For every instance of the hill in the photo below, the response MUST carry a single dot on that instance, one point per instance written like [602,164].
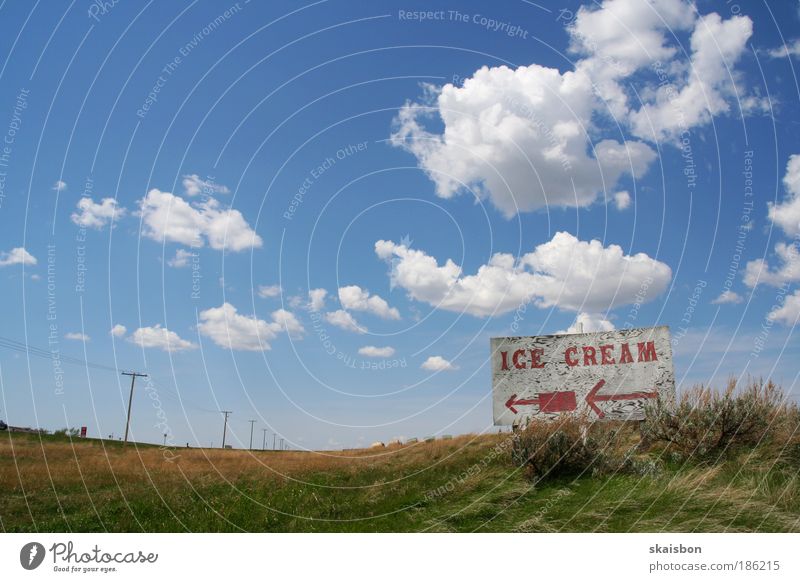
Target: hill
[465,484]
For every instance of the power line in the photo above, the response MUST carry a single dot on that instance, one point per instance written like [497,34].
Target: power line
[18,346]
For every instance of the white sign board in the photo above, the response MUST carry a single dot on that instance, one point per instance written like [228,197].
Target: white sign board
[607,375]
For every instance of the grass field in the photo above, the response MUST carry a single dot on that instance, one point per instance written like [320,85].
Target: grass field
[49,484]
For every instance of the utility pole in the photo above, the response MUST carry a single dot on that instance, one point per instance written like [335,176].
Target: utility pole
[264,442]
[281,444]
[274,436]
[133,376]
[252,423]
[225,426]
[165,439]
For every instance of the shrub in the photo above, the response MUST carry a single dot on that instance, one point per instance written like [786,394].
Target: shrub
[571,446]
[705,424]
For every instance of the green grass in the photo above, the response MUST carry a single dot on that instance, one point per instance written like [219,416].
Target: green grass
[466,484]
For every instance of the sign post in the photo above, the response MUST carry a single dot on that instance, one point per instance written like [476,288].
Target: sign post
[607,375]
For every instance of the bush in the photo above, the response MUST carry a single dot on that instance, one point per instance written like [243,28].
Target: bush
[706,424]
[571,446]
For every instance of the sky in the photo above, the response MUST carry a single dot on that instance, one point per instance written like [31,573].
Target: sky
[316,215]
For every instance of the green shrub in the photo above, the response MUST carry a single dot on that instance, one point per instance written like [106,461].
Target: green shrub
[706,425]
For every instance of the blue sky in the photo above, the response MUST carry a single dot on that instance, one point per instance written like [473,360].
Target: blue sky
[193,176]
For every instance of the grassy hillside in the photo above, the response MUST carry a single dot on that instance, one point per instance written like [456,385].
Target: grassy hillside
[465,484]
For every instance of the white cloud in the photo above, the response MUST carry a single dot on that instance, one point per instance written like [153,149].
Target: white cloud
[564,272]
[229,329]
[167,217]
[532,136]
[376,352]
[789,312]
[161,338]
[316,299]
[622,200]
[588,323]
[438,364]
[355,298]
[787,50]
[194,185]
[758,272]
[60,186]
[342,319]
[97,215]
[74,335]
[118,330]
[181,258]
[17,256]
[268,291]
[728,297]
[787,213]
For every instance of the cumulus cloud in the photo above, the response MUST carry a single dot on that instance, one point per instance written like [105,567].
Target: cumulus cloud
[181,258]
[118,330]
[588,323]
[77,336]
[268,291]
[194,185]
[344,320]
[622,200]
[229,329]
[17,256]
[438,364]
[97,215]
[759,272]
[791,49]
[161,338]
[316,299]
[789,312]
[167,217]
[787,213]
[60,186]
[376,352]
[564,272]
[728,297]
[533,136]
[355,298]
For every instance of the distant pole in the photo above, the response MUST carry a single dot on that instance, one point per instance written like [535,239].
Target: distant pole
[264,442]
[165,439]
[281,444]
[274,436]
[225,425]
[252,423]
[133,376]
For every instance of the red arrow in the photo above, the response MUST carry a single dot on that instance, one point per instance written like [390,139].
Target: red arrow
[593,397]
[563,401]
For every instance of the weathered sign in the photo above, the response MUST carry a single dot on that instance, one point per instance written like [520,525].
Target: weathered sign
[608,375]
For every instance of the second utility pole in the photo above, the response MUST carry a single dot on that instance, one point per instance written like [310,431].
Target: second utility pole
[133,376]
[252,422]
[225,426]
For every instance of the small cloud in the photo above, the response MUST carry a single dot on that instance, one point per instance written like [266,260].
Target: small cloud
[728,297]
[77,336]
[791,49]
[17,256]
[181,258]
[161,338]
[96,215]
[194,185]
[35,277]
[587,323]
[119,330]
[438,364]
[342,319]
[316,299]
[355,298]
[269,291]
[375,352]
[60,186]
[622,200]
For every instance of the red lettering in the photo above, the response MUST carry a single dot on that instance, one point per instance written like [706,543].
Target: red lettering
[589,356]
[647,351]
[568,359]
[504,357]
[515,359]
[626,357]
[605,355]
[536,356]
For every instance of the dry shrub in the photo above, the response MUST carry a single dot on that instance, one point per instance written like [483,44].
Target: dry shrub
[573,446]
[706,424]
